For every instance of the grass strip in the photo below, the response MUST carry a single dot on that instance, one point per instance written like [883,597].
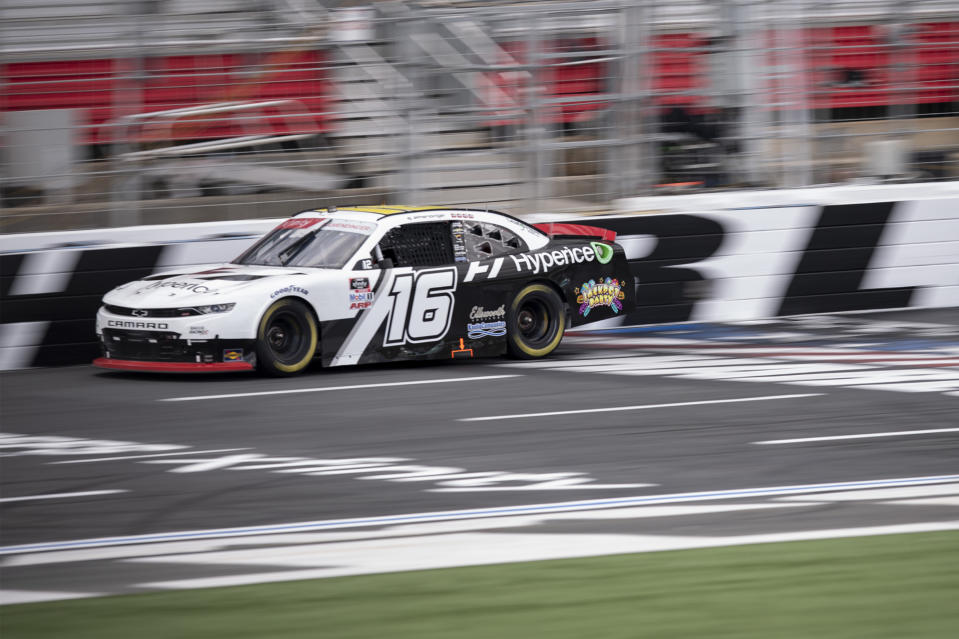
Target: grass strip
[892,586]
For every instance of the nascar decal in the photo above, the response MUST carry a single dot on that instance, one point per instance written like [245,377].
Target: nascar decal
[605,292]
[486,323]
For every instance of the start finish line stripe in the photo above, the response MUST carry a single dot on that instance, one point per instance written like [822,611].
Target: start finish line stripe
[500,511]
[638,407]
[291,391]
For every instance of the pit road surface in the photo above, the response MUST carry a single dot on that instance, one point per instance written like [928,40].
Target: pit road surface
[650,439]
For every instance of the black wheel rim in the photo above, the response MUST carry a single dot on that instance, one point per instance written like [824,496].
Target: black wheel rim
[286,336]
[536,322]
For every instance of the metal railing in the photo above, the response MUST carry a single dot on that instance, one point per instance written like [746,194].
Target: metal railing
[170,111]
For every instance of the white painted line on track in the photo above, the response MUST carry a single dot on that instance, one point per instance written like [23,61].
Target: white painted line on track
[827,438]
[85,493]
[11,597]
[176,454]
[291,391]
[611,409]
[454,551]
[499,511]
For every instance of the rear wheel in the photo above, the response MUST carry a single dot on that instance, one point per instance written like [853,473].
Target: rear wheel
[286,338]
[535,322]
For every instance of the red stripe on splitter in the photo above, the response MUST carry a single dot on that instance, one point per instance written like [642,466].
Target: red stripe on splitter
[171,367]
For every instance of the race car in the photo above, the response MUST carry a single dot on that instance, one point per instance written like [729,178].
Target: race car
[366,284]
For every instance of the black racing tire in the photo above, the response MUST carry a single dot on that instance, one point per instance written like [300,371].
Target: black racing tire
[535,322]
[286,338]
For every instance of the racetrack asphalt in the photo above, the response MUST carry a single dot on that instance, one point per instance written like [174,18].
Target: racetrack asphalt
[387,442]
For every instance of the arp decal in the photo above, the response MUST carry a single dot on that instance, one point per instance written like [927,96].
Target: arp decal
[606,292]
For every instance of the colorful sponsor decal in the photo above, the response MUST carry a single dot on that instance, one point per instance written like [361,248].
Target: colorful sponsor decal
[604,252]
[289,290]
[300,223]
[193,287]
[361,295]
[605,292]
[486,329]
[232,354]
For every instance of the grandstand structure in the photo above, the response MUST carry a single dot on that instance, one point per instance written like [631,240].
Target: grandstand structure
[119,112]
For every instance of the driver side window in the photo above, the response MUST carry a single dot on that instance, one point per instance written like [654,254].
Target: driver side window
[419,244]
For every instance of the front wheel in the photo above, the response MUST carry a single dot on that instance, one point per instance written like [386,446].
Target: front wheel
[535,322]
[286,338]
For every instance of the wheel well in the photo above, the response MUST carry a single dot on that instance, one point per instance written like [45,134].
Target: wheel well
[316,318]
[553,285]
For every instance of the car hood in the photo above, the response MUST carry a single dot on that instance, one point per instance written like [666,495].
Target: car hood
[211,285]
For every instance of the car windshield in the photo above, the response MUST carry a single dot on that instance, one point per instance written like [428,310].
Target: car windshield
[314,241]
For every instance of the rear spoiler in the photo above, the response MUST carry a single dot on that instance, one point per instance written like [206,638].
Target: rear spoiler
[562,229]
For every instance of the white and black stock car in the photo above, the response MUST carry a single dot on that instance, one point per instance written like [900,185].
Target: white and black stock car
[371,284]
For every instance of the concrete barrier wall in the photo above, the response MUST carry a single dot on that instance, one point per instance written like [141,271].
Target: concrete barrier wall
[689,266]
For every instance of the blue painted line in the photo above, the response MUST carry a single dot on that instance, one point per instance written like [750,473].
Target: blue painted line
[469,514]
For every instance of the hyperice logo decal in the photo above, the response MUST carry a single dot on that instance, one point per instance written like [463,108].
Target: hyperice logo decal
[605,292]
[604,252]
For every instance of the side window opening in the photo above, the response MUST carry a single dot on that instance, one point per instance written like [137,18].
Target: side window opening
[420,244]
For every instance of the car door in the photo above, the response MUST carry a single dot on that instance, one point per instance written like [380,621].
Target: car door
[407,301]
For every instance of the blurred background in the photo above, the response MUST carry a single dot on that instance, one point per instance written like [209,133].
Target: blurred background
[124,112]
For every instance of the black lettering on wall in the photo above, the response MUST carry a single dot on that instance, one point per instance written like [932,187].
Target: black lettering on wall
[829,276]
[665,290]
[70,337]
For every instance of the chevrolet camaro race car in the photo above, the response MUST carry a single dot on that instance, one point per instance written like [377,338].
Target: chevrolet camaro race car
[370,284]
